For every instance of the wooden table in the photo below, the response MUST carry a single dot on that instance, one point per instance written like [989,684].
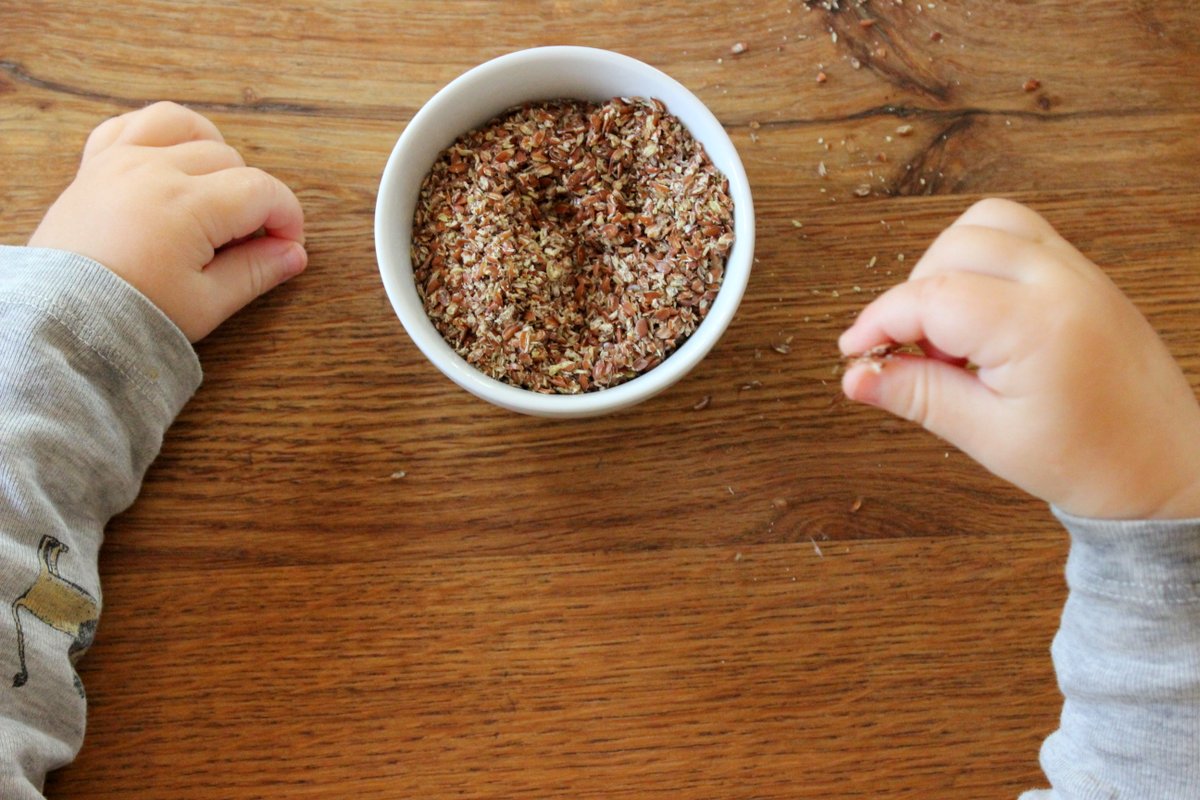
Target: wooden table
[346,577]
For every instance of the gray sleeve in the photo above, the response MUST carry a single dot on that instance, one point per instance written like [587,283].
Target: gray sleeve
[1128,663]
[91,375]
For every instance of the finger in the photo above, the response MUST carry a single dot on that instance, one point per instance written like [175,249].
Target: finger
[237,202]
[963,314]
[164,124]
[987,251]
[946,400]
[203,157]
[238,275]
[103,136]
[933,351]
[1022,221]
[1011,217]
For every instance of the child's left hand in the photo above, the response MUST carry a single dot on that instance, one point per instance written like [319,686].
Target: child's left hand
[162,201]
[1036,365]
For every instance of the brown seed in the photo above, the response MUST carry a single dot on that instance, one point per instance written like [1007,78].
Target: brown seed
[779,503]
[1032,85]
[935,36]
[738,48]
[866,23]
[514,288]
[822,77]
[856,505]
[876,357]
[904,130]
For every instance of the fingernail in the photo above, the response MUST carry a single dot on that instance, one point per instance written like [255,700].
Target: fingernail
[861,383]
[844,339]
[294,261]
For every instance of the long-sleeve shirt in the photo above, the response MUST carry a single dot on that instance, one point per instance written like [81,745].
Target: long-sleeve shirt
[1128,662]
[92,374]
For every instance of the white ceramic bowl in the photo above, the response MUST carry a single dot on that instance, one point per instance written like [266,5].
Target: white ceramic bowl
[548,73]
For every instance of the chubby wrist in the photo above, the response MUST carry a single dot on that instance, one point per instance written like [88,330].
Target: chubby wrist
[1146,471]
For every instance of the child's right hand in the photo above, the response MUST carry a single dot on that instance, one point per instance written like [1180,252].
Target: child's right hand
[1075,399]
[162,201]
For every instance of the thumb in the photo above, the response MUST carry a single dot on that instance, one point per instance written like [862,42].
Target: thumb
[239,274]
[944,398]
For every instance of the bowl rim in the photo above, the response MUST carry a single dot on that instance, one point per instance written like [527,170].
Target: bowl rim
[396,269]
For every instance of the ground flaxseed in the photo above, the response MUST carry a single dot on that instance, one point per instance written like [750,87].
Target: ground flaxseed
[568,246]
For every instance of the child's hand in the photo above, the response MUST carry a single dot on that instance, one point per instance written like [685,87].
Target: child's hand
[1075,399]
[162,201]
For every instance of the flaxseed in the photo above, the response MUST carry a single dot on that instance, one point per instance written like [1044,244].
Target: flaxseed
[568,247]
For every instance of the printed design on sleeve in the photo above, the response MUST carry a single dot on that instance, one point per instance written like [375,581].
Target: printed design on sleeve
[61,604]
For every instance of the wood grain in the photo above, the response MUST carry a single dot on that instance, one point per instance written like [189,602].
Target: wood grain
[781,595]
[769,671]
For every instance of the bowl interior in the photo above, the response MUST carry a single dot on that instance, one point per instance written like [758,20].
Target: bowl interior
[490,89]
